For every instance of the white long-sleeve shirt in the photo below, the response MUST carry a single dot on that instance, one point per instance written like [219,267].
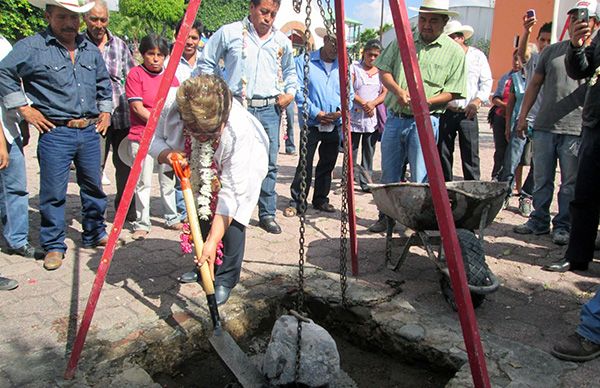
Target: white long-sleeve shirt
[479,79]
[241,157]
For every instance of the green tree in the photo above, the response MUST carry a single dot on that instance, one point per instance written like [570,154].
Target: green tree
[19,19]
[215,13]
[159,16]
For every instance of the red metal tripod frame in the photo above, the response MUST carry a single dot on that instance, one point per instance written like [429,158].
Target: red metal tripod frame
[439,195]
[342,56]
[188,19]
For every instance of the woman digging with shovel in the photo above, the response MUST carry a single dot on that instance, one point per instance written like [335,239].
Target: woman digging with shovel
[226,149]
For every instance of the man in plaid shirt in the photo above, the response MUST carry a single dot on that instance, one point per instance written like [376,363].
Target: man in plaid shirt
[119,62]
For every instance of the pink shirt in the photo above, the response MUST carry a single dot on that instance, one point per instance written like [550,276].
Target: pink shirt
[142,85]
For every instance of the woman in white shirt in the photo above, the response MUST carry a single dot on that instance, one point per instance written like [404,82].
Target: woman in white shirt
[204,111]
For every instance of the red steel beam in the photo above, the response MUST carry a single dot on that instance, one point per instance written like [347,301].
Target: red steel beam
[342,55]
[439,195]
[105,261]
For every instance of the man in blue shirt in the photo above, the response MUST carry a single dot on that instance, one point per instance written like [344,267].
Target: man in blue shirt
[66,79]
[259,70]
[324,122]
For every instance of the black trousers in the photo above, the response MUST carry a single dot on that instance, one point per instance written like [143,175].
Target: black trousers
[327,142]
[585,207]
[500,144]
[368,142]
[451,125]
[234,245]
[112,140]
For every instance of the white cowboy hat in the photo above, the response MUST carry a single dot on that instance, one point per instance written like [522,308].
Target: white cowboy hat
[322,31]
[77,6]
[441,7]
[454,26]
[124,152]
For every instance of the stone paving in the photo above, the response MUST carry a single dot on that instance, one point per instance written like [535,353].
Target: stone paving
[39,319]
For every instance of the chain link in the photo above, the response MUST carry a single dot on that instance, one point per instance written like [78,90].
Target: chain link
[345,191]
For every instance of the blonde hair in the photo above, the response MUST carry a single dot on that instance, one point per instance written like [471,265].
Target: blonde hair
[204,103]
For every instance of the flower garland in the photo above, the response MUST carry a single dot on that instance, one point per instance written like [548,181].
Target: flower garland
[205,182]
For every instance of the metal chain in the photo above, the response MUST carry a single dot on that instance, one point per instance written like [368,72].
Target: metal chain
[303,184]
[329,22]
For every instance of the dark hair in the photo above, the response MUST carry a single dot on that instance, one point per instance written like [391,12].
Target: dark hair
[197,25]
[546,27]
[256,3]
[153,41]
[373,44]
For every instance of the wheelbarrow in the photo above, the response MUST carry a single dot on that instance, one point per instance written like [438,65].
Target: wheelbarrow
[474,206]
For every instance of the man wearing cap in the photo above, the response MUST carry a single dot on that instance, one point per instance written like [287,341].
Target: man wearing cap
[583,62]
[442,64]
[556,137]
[66,79]
[460,116]
[119,62]
[254,54]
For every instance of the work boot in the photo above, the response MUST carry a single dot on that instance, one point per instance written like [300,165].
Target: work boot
[53,260]
[576,348]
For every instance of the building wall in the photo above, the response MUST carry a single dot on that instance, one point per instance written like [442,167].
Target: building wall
[508,22]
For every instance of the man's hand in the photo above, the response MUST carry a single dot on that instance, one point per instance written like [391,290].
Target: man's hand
[4,158]
[325,118]
[472,108]
[36,118]
[165,157]
[103,123]
[403,97]
[284,99]
[579,31]
[521,127]
[209,254]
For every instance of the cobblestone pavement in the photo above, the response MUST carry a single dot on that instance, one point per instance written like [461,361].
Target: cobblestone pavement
[39,318]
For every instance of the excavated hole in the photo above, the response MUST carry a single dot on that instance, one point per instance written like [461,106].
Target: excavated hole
[368,355]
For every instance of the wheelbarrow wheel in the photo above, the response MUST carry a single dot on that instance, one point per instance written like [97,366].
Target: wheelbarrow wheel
[476,269]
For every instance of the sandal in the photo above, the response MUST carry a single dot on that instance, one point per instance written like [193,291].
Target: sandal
[290,211]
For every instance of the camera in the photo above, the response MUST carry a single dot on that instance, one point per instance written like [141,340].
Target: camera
[530,13]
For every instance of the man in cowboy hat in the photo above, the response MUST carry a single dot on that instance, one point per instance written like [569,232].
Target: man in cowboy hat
[442,64]
[66,79]
[460,116]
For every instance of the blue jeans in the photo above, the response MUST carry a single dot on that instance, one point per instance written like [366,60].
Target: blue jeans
[290,147]
[400,143]
[269,117]
[547,149]
[56,150]
[512,159]
[14,198]
[589,326]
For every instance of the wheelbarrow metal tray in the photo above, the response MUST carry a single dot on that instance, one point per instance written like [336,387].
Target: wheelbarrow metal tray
[411,204]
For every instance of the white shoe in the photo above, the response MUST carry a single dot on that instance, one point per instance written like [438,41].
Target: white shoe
[105,180]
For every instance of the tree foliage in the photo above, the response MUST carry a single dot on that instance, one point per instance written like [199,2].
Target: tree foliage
[165,11]
[19,19]
[215,13]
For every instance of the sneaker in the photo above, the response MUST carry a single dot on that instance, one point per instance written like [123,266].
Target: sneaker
[525,206]
[7,284]
[527,229]
[576,348]
[379,226]
[560,237]
[105,180]
[27,251]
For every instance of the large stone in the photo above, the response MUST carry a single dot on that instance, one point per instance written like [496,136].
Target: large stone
[319,361]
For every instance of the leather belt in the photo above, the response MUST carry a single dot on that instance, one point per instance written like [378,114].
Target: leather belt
[76,123]
[261,102]
[455,109]
[411,117]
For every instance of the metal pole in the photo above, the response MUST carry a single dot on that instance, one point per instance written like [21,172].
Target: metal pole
[343,69]
[381,22]
[190,15]
[439,195]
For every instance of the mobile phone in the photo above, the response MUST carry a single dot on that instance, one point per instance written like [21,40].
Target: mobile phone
[530,13]
[582,14]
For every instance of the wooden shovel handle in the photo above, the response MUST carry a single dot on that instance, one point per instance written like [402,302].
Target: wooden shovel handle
[183,173]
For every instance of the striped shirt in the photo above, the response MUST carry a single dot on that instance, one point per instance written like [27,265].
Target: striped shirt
[442,64]
[119,62]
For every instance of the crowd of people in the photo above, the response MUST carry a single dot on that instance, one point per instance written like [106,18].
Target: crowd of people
[230,102]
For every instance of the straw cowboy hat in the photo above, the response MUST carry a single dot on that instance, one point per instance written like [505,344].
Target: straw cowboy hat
[78,6]
[454,26]
[441,7]
[322,31]
[124,152]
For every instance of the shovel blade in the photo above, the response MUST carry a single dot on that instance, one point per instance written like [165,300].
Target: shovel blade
[237,361]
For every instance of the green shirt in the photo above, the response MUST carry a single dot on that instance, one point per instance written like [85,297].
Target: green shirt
[442,64]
